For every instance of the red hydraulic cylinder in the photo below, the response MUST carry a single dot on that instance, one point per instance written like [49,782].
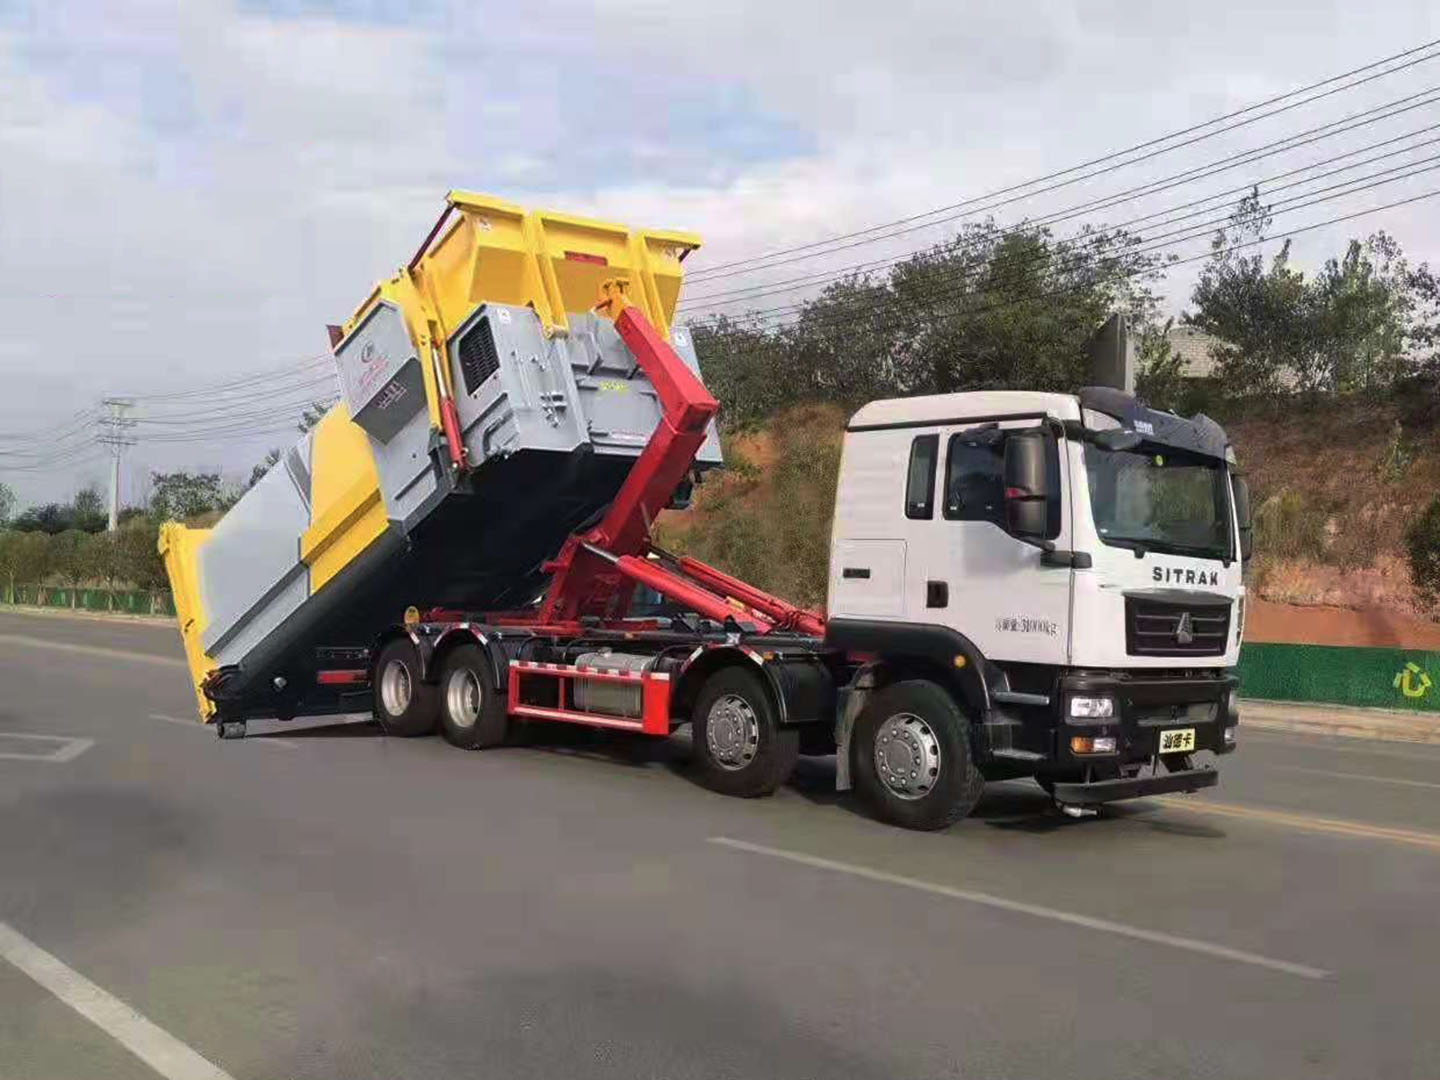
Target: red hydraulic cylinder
[692,596]
[785,615]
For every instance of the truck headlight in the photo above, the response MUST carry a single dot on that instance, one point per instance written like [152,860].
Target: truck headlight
[1092,708]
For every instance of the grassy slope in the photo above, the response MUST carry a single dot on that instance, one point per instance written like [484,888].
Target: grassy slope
[1335,489]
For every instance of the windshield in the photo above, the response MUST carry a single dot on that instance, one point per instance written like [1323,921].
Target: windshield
[1159,499]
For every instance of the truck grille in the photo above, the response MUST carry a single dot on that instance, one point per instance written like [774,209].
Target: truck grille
[1162,627]
[478,357]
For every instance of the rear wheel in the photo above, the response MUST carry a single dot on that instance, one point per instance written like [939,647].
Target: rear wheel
[472,710]
[740,747]
[403,702]
[912,759]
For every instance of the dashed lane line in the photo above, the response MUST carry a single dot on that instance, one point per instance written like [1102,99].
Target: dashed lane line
[1155,937]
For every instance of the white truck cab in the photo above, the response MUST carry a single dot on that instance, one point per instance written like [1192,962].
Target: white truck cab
[1067,566]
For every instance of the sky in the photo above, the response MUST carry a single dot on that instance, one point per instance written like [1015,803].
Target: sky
[190,191]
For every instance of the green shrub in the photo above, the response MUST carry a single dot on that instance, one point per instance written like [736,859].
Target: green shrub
[1423,543]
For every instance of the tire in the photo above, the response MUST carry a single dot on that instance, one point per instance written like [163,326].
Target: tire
[915,723]
[740,747]
[472,709]
[404,703]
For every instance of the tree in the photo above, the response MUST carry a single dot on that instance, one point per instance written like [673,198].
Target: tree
[68,559]
[258,472]
[1160,371]
[7,503]
[994,307]
[88,510]
[30,558]
[9,540]
[179,495]
[52,518]
[85,511]
[137,557]
[1362,303]
[312,414]
[1261,314]
[101,555]
[1347,331]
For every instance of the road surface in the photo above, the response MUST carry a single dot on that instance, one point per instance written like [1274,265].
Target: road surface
[326,902]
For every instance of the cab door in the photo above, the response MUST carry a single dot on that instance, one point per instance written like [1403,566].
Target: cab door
[966,571]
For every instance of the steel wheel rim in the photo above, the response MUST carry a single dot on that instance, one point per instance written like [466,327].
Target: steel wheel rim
[907,756]
[732,732]
[463,698]
[395,687]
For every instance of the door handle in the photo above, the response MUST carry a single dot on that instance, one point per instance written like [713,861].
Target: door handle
[937,594]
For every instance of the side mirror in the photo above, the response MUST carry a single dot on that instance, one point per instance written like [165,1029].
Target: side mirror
[1241,488]
[1027,486]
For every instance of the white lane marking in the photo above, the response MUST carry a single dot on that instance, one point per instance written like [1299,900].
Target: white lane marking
[1358,776]
[176,720]
[93,650]
[153,1045]
[1088,922]
[196,725]
[68,750]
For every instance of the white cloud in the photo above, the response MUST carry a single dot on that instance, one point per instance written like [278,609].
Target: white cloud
[190,192]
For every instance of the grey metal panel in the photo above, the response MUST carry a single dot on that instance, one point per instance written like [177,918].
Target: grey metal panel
[529,403]
[278,604]
[252,549]
[407,477]
[380,373]
[557,393]
[549,396]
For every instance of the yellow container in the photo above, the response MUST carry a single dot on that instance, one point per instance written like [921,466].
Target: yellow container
[483,251]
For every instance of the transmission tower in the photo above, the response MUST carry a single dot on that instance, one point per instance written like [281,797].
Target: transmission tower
[113,430]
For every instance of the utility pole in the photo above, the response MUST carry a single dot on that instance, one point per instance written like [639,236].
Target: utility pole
[112,434]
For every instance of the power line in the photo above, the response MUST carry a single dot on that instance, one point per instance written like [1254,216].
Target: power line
[1328,130]
[1104,202]
[710,273]
[940,293]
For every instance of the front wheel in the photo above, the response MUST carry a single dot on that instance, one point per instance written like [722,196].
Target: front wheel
[740,747]
[912,759]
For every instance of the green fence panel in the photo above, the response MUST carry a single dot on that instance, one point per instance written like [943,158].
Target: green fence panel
[131,601]
[1376,678]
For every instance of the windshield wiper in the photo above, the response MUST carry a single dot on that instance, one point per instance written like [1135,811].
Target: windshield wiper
[1167,547]
[1140,547]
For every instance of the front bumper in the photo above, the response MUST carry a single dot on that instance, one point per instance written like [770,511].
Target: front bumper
[1147,706]
[1105,791]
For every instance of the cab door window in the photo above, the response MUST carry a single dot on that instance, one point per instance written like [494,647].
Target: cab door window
[975,479]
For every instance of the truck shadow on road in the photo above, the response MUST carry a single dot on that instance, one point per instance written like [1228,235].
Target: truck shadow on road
[338,729]
[1012,806]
